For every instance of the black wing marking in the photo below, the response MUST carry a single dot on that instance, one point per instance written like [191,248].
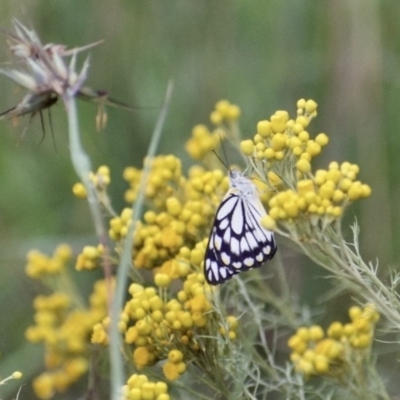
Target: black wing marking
[237,241]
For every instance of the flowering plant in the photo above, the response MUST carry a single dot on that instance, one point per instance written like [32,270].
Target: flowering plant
[177,335]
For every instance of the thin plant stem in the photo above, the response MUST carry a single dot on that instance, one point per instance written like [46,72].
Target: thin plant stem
[117,370]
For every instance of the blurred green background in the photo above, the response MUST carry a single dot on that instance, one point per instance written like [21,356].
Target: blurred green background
[261,55]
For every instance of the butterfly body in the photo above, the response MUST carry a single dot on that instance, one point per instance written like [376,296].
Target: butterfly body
[237,241]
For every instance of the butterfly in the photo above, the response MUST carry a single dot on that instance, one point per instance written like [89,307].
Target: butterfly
[237,241]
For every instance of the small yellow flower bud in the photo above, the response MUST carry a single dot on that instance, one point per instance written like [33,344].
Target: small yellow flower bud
[260,146]
[196,256]
[301,103]
[216,118]
[232,322]
[90,252]
[337,211]
[175,356]
[329,347]
[313,149]
[160,388]
[274,213]
[264,128]
[349,330]
[316,332]
[310,106]
[355,192]
[144,328]
[233,112]
[174,206]
[338,196]
[305,367]
[326,191]
[148,391]
[294,141]
[305,156]
[163,396]
[79,190]
[284,114]
[304,136]
[366,191]
[269,153]
[322,139]
[258,139]
[304,186]
[247,147]
[135,394]
[222,106]
[362,341]
[362,324]
[303,333]
[321,364]
[335,330]
[309,355]
[371,313]
[140,313]
[232,335]
[333,165]
[104,170]
[355,312]
[17,375]
[303,166]
[268,222]
[291,209]
[302,121]
[297,128]
[278,123]
[273,178]
[278,141]
[181,367]
[297,344]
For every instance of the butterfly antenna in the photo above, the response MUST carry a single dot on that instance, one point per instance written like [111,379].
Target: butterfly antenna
[223,150]
[221,160]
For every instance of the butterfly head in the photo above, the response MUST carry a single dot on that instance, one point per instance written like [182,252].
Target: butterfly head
[242,183]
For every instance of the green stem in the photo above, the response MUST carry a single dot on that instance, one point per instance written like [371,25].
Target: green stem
[81,163]
[117,370]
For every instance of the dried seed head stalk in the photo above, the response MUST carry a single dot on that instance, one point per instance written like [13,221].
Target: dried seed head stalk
[42,70]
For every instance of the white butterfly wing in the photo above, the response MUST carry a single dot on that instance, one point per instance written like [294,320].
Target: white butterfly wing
[237,241]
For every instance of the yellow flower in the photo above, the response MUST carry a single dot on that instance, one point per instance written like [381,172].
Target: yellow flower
[142,357]
[171,371]
[43,386]
[175,356]
[79,190]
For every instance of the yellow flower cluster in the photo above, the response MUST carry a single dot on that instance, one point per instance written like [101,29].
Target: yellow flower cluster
[101,179]
[224,112]
[315,352]
[165,174]
[230,327]
[285,148]
[162,327]
[63,327]
[161,323]
[202,142]
[40,265]
[181,215]
[281,137]
[324,194]
[140,388]
[174,367]
[90,258]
